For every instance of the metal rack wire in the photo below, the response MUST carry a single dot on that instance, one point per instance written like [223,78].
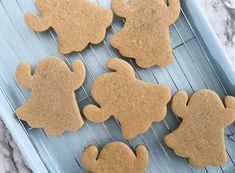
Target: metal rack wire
[153,135]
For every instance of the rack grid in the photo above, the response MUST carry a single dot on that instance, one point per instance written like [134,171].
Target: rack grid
[191,70]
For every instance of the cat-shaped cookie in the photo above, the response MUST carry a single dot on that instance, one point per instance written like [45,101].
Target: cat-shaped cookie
[76,22]
[52,104]
[145,35]
[134,103]
[200,136]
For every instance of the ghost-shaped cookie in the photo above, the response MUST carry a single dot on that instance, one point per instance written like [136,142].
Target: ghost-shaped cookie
[145,35]
[115,157]
[134,103]
[76,22]
[200,136]
[52,104]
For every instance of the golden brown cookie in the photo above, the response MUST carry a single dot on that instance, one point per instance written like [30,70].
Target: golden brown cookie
[52,104]
[76,22]
[115,157]
[200,136]
[134,103]
[145,35]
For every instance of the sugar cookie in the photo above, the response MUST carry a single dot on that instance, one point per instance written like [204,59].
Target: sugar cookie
[76,22]
[115,157]
[200,136]
[145,35]
[134,103]
[52,104]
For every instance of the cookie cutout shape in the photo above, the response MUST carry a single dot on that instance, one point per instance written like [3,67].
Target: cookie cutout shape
[76,22]
[200,136]
[145,35]
[115,157]
[52,104]
[134,103]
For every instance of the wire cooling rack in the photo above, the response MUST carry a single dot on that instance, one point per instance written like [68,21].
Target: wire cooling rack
[191,70]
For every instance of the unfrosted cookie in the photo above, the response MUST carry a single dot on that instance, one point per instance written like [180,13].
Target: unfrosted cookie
[134,103]
[115,157]
[145,35]
[200,136]
[52,104]
[76,22]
